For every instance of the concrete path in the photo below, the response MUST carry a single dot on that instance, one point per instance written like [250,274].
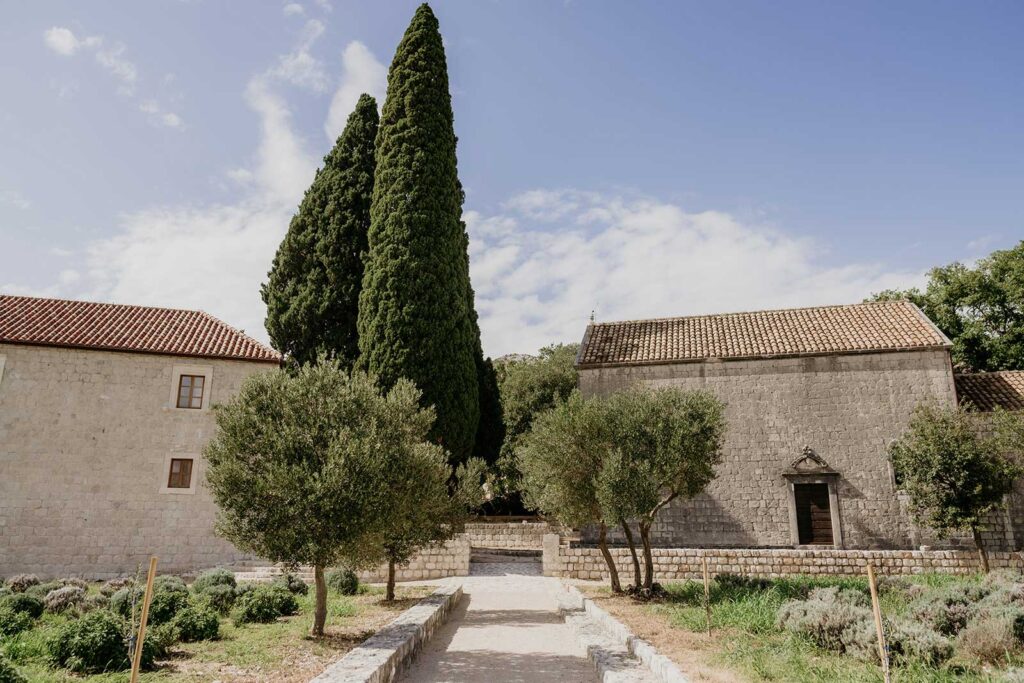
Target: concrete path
[507,628]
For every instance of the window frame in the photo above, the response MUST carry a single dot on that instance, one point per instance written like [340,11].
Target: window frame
[171,473]
[190,399]
[177,372]
[165,473]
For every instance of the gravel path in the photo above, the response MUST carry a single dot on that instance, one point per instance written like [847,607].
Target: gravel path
[507,628]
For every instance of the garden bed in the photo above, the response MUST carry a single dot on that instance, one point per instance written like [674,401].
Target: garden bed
[749,642]
[249,652]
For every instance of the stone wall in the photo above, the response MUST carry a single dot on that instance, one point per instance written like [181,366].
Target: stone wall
[432,562]
[847,408]
[685,563]
[509,535]
[85,442]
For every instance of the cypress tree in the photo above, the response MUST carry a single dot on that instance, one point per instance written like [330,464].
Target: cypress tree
[415,314]
[312,290]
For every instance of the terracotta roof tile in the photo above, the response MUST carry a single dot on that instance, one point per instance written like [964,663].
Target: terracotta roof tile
[991,390]
[117,327]
[857,328]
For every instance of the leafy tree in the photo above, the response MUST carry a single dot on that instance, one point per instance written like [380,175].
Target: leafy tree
[422,508]
[955,469]
[981,309]
[490,432]
[670,442]
[300,464]
[415,317]
[529,387]
[561,458]
[312,290]
[626,490]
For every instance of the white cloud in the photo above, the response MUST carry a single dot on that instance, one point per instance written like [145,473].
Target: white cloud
[550,257]
[15,199]
[325,5]
[64,42]
[293,9]
[299,67]
[111,58]
[362,73]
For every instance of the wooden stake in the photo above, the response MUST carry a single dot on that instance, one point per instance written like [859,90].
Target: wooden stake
[137,659]
[707,592]
[876,607]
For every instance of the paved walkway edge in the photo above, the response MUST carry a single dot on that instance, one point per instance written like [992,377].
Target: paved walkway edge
[384,655]
[663,668]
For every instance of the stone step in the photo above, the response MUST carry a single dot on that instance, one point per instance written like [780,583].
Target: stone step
[611,658]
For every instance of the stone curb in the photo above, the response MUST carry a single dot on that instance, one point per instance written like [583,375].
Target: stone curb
[663,668]
[382,656]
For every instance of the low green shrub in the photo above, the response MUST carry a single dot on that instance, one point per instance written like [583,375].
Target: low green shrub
[911,641]
[74,581]
[114,585]
[220,598]
[294,584]
[63,599]
[29,604]
[9,674]
[214,577]
[13,622]
[245,587]
[93,644]
[264,604]
[169,597]
[993,635]
[196,622]
[41,590]
[947,610]
[97,601]
[829,623]
[5,590]
[344,581]
[22,582]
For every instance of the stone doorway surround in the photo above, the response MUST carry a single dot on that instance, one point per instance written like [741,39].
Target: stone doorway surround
[810,468]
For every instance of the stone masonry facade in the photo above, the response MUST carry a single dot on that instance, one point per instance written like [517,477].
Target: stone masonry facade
[86,437]
[507,535]
[846,408]
[564,560]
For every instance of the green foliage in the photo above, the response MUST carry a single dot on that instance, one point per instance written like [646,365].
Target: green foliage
[28,604]
[41,590]
[213,577]
[953,474]
[981,309]
[8,672]
[93,643]
[344,581]
[19,583]
[219,597]
[312,290]
[490,431]
[415,308]
[264,604]
[114,585]
[196,622]
[170,595]
[13,621]
[561,458]
[63,599]
[293,584]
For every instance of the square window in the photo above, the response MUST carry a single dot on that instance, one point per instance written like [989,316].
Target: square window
[190,391]
[180,476]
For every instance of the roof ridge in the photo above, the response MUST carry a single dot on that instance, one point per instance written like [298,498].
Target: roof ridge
[98,303]
[794,309]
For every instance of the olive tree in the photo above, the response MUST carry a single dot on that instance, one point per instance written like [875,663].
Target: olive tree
[300,464]
[955,467]
[667,442]
[561,458]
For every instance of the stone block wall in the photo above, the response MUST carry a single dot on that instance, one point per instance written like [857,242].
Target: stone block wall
[85,442]
[432,562]
[685,563]
[847,408]
[508,535]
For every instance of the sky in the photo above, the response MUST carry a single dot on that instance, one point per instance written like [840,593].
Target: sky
[626,160]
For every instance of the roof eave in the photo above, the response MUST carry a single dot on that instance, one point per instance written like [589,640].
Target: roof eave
[110,349]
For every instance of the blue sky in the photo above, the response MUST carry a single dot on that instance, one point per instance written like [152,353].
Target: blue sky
[640,159]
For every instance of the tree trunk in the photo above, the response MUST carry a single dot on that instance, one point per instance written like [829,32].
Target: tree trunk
[320,609]
[645,537]
[982,553]
[632,551]
[390,595]
[602,543]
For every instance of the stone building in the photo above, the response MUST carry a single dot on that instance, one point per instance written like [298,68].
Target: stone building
[104,412]
[813,398]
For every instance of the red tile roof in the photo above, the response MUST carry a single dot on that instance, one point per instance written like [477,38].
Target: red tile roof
[857,328]
[116,327]
[991,390]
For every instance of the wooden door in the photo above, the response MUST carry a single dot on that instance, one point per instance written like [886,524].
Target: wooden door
[813,514]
